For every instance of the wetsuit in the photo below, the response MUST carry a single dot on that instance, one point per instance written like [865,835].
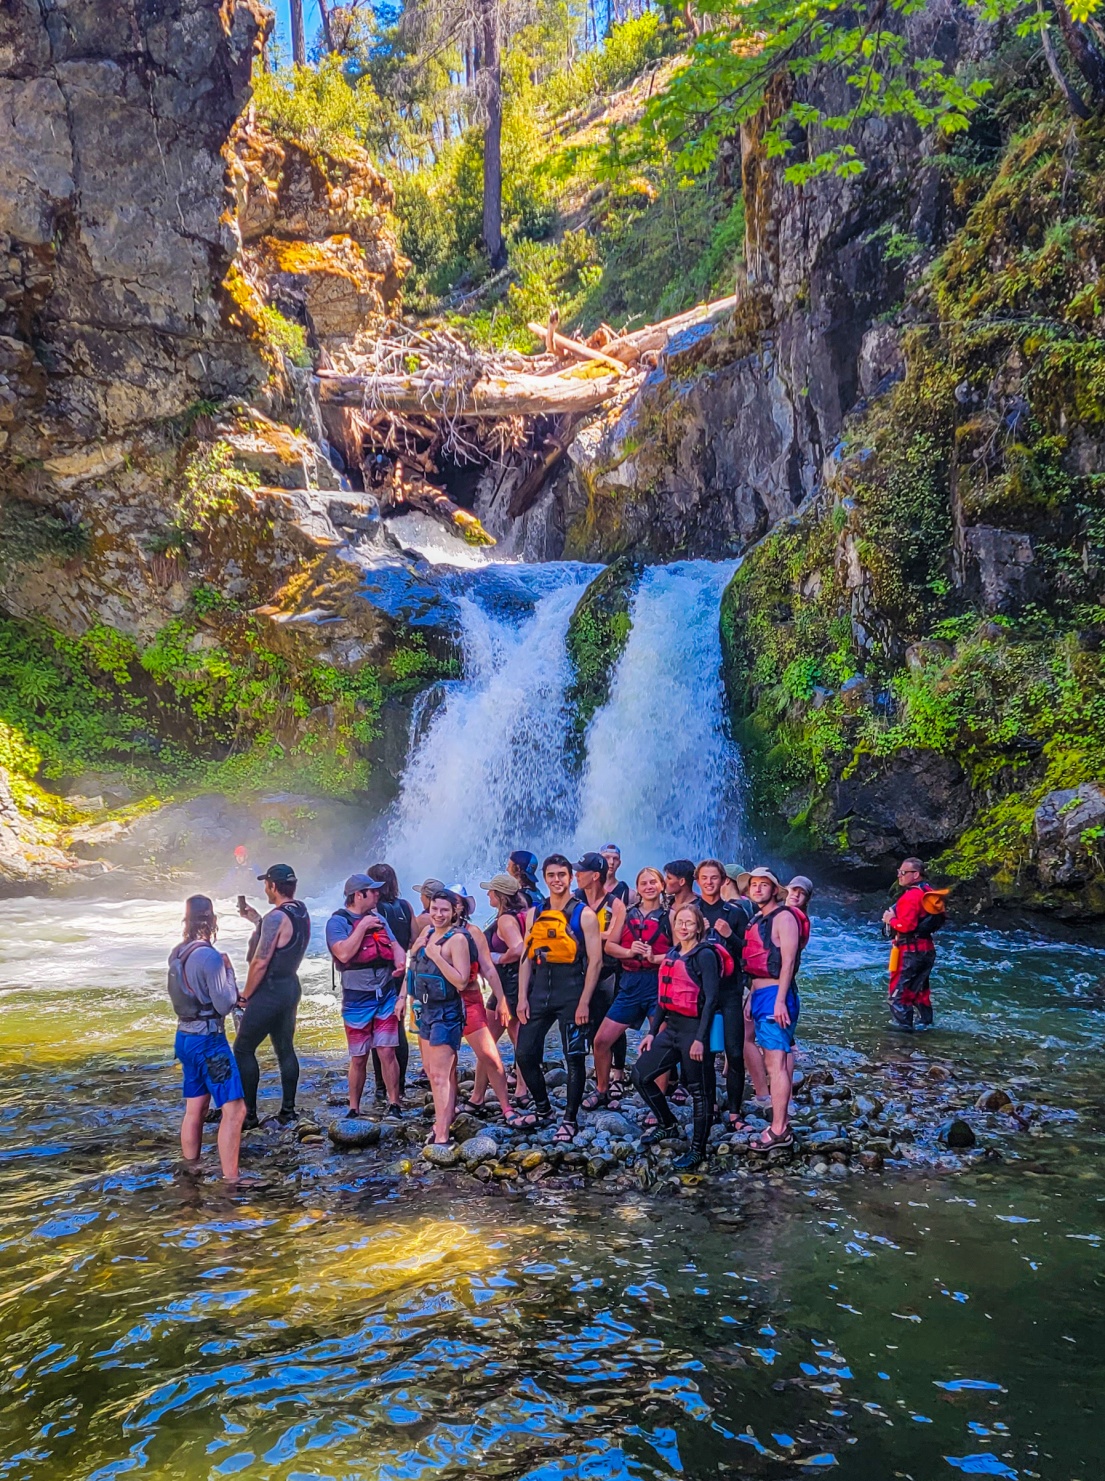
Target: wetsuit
[688,997]
[555,988]
[730,1000]
[399,915]
[910,928]
[606,988]
[270,1013]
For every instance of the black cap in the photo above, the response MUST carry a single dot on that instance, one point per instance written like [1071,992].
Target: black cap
[279,874]
[594,862]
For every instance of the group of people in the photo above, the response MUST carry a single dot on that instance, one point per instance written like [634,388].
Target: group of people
[704,958]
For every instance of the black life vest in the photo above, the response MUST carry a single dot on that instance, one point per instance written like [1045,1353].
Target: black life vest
[186,1002]
[428,984]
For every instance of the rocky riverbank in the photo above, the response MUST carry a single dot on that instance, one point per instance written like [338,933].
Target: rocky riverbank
[854,1117]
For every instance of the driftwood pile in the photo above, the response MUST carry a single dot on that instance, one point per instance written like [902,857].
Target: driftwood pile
[422,401]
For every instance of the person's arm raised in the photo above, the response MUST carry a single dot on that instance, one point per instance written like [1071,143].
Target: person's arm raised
[270,931]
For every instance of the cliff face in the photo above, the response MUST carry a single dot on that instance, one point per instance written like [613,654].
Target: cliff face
[730,433]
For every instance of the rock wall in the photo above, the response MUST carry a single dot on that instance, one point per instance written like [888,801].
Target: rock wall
[730,433]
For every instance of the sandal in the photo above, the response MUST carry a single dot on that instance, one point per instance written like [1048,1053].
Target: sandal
[617,1092]
[679,1097]
[734,1122]
[472,1109]
[768,1140]
[565,1132]
[596,1100]
[651,1121]
[531,1120]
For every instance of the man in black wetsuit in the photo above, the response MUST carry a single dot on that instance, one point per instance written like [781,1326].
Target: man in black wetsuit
[271,993]
[727,920]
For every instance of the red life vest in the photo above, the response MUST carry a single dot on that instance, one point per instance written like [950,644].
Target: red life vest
[803,925]
[375,949]
[679,990]
[653,929]
[760,957]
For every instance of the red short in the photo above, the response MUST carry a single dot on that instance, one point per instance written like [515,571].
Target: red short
[475,1014]
[381,1033]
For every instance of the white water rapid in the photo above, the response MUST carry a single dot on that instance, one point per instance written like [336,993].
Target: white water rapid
[662,780]
[487,773]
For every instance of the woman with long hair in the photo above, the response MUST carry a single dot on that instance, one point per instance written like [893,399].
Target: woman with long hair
[399,914]
[203,991]
[438,971]
[476,1027]
[642,945]
[506,941]
[679,1030]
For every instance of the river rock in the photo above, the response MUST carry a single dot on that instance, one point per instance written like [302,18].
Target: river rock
[613,1123]
[994,1100]
[556,1078]
[478,1149]
[503,1171]
[598,1167]
[531,1160]
[465,1127]
[958,1135]
[871,1161]
[442,1156]
[868,1105]
[350,1135]
[483,1172]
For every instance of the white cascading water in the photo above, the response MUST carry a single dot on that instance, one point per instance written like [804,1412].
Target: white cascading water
[487,774]
[662,780]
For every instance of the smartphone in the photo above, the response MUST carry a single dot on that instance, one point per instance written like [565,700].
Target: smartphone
[241,905]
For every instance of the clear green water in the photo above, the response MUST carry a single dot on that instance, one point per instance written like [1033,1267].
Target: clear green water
[336,1326]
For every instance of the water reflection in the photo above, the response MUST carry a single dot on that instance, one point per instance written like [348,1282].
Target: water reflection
[339,1324]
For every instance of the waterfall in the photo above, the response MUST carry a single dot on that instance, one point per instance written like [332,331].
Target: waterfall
[487,773]
[662,780]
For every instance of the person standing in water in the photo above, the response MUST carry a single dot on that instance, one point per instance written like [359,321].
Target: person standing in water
[727,920]
[399,914]
[202,991]
[645,941]
[439,970]
[272,991]
[770,959]
[679,1030]
[370,963]
[910,924]
[557,976]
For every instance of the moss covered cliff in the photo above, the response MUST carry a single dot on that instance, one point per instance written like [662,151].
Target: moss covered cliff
[915,661]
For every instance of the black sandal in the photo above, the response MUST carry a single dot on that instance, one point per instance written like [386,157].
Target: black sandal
[566,1132]
[596,1101]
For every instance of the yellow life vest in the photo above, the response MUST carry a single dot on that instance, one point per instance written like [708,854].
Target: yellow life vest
[556,937]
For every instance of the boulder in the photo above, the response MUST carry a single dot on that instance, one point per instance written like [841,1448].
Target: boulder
[887,807]
[442,1156]
[478,1149]
[613,1123]
[1068,829]
[994,1100]
[958,1135]
[352,1134]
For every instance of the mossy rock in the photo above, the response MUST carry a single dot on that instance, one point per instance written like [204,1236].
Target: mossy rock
[597,635]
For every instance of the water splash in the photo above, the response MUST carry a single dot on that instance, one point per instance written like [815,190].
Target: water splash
[661,779]
[437,544]
[487,772]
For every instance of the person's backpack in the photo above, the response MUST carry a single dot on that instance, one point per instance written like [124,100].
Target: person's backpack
[186,1004]
[934,910]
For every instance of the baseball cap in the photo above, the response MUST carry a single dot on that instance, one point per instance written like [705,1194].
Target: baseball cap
[502,884]
[357,882]
[525,861]
[611,848]
[430,887]
[801,882]
[763,872]
[279,874]
[591,861]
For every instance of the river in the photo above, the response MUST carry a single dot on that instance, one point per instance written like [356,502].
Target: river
[339,1323]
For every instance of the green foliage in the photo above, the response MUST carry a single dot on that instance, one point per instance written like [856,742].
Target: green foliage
[318,107]
[597,635]
[627,51]
[30,533]
[288,337]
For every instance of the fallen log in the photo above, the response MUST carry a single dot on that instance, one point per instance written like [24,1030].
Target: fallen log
[431,500]
[568,346]
[489,396]
[629,348]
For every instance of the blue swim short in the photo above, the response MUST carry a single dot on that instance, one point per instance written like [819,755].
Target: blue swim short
[635,998]
[769,1034]
[209,1068]
[442,1024]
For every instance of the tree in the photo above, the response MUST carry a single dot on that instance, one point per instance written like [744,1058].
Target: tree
[299,39]
[794,47]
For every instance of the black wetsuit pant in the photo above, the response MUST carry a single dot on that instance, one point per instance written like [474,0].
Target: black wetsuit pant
[269,1014]
[403,1054]
[602,1000]
[553,1000]
[671,1047]
[731,1008]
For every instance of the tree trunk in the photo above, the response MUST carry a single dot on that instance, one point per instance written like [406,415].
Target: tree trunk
[518,394]
[492,90]
[1074,102]
[1085,48]
[324,17]
[299,39]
